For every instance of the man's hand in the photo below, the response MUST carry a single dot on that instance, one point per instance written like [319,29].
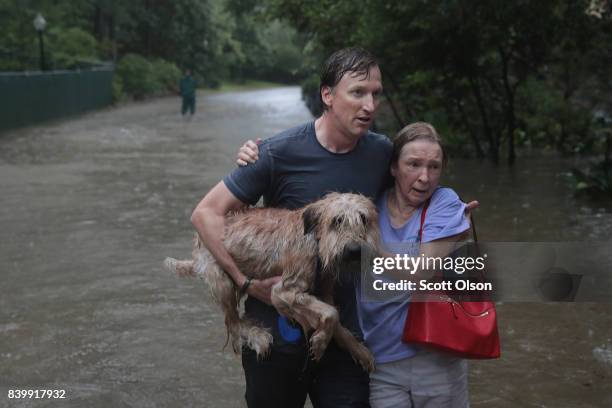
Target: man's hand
[262,289]
[248,153]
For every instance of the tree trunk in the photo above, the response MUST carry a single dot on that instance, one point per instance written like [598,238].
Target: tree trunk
[387,74]
[399,120]
[493,143]
[97,23]
[466,122]
[510,117]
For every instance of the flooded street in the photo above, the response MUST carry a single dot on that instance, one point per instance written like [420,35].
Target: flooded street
[91,206]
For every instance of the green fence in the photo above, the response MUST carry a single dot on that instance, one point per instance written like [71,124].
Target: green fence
[27,98]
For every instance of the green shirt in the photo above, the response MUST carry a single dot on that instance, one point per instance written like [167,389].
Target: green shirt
[188,86]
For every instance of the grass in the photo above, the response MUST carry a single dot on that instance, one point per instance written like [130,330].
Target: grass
[248,85]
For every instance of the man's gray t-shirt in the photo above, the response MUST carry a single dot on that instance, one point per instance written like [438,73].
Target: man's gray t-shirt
[293,170]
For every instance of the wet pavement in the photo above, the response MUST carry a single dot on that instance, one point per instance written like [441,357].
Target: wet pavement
[90,208]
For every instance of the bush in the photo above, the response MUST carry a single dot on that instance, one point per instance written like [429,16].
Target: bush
[595,180]
[167,75]
[117,86]
[310,95]
[138,77]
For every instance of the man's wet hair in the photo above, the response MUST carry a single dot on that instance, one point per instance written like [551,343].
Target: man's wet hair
[355,60]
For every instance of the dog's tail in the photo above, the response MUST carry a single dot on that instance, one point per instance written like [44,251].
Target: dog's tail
[180,268]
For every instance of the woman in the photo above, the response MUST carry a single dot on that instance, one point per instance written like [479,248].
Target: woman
[407,375]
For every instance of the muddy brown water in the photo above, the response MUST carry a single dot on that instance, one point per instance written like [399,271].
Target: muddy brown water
[91,206]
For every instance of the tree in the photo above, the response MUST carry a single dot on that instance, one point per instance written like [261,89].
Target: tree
[464,64]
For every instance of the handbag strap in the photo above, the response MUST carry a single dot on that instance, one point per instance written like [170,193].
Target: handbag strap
[473,223]
[423,213]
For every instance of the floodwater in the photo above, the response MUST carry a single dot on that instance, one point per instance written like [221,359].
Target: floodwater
[91,206]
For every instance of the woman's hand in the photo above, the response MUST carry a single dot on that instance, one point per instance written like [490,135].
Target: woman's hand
[248,153]
[472,205]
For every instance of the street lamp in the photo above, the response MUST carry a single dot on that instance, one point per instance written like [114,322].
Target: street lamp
[39,24]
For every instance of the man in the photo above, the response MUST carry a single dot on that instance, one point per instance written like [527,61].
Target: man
[336,152]
[188,86]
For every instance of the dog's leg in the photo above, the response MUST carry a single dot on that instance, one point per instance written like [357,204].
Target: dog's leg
[310,312]
[345,339]
[291,299]
[360,353]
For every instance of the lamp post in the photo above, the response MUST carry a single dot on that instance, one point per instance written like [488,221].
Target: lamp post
[39,24]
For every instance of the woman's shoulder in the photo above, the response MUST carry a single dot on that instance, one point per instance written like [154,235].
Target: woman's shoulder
[443,196]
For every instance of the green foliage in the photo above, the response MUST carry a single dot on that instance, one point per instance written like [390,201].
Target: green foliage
[167,75]
[552,120]
[72,48]
[118,94]
[280,58]
[139,77]
[493,73]
[595,181]
[270,49]
[67,22]
[540,105]
[310,94]
[218,39]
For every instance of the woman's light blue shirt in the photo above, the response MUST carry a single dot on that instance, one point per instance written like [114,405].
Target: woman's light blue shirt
[383,321]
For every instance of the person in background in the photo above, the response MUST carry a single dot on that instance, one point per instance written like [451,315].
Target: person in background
[187,88]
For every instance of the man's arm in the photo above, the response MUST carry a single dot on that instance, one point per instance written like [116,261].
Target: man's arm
[209,220]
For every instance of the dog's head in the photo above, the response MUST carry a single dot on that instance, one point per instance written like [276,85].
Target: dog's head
[342,224]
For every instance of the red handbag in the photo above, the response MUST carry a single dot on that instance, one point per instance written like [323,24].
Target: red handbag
[465,329]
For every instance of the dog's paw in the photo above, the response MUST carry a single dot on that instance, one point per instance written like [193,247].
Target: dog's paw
[260,341]
[318,344]
[363,357]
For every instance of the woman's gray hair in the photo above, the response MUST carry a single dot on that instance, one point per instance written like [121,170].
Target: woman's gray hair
[416,131]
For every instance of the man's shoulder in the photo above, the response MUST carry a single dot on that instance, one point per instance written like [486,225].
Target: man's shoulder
[288,137]
[376,145]
[378,140]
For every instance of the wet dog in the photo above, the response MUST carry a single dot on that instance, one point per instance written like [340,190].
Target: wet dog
[266,242]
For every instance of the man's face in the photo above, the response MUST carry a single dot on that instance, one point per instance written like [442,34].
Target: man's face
[353,102]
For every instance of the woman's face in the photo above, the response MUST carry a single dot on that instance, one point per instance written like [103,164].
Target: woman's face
[417,171]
